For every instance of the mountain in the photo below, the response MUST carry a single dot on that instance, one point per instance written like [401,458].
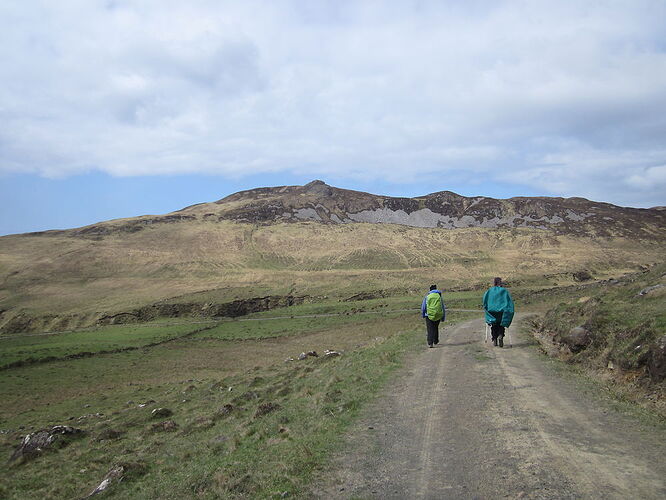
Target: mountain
[320,202]
[275,246]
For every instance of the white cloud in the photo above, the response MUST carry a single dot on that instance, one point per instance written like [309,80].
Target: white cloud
[566,97]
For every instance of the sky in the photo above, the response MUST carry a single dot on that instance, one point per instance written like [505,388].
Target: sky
[117,108]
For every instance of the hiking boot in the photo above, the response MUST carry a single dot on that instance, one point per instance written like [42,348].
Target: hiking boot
[495,342]
[500,340]
[429,345]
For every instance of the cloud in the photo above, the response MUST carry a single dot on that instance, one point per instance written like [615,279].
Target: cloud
[564,97]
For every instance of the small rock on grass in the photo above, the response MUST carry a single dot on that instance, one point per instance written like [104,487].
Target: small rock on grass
[118,473]
[36,442]
[115,475]
[225,410]
[266,408]
[161,412]
[108,434]
[166,426]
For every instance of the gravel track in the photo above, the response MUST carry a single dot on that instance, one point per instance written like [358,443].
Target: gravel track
[467,420]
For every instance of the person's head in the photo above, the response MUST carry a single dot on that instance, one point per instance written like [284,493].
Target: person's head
[433,287]
[497,282]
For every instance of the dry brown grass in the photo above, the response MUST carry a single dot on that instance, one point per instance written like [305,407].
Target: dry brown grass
[60,273]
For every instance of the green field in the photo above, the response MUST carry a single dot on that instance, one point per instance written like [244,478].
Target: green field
[247,423]
[38,347]
[293,320]
[209,454]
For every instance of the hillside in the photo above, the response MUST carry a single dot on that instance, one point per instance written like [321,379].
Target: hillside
[274,246]
[319,202]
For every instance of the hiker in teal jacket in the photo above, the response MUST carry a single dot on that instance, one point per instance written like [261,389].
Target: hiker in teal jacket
[498,305]
[433,310]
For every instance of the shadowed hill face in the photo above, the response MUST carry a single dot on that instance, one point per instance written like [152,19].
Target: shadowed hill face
[320,202]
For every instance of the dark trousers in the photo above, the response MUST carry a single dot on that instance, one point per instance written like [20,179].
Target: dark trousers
[495,329]
[432,329]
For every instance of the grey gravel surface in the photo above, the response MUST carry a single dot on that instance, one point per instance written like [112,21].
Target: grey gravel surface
[468,420]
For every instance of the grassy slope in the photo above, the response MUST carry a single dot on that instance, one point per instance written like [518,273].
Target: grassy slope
[625,330]
[64,275]
[210,454]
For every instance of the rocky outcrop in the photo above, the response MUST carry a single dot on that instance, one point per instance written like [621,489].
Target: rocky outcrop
[320,202]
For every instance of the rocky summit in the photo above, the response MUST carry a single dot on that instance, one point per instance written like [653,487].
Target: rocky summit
[317,201]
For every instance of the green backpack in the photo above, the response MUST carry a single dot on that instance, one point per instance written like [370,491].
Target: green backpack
[434,306]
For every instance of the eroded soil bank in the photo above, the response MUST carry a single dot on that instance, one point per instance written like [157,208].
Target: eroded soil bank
[26,323]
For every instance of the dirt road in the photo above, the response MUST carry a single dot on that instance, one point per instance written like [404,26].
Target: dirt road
[467,420]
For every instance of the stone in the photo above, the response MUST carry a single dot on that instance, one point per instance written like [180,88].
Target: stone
[313,354]
[265,409]
[166,426]
[582,276]
[115,475]
[225,410]
[650,290]
[36,442]
[577,339]
[656,365]
[330,354]
[302,356]
[161,412]
[108,435]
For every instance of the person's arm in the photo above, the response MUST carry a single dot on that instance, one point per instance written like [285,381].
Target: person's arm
[424,314]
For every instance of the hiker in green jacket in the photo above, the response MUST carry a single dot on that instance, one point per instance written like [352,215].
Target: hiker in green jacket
[498,305]
[433,310]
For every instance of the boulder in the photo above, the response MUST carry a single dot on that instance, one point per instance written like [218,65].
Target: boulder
[577,339]
[35,443]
